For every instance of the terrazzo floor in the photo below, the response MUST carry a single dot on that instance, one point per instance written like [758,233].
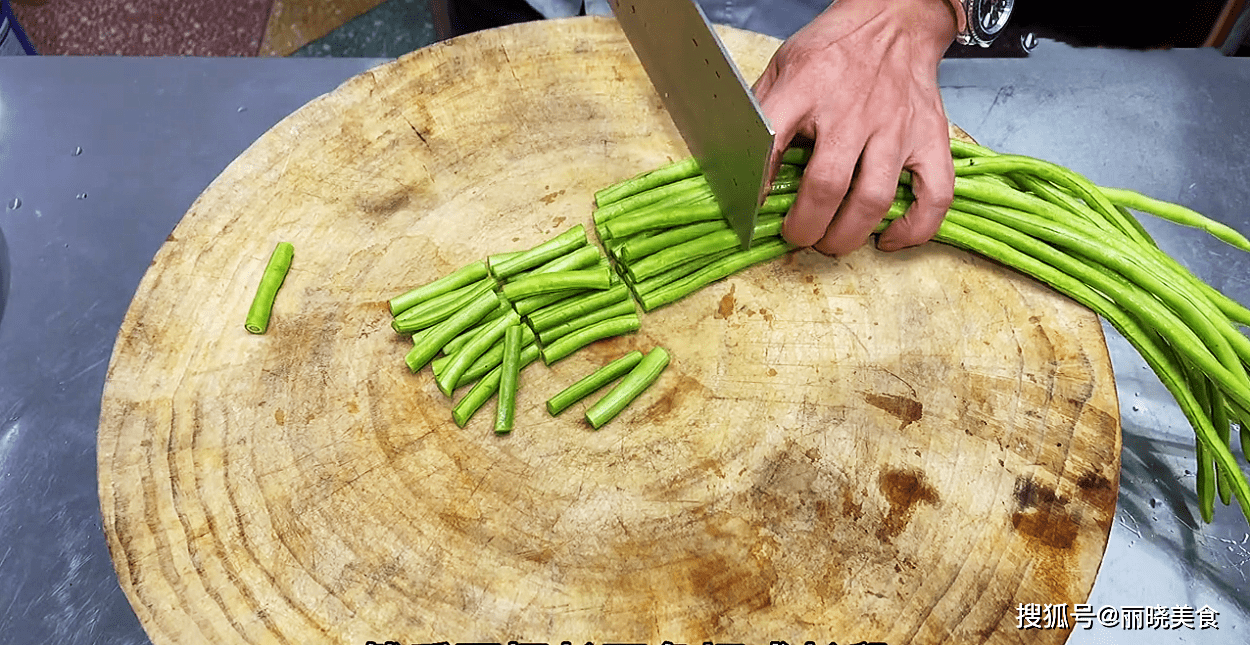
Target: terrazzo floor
[389,30]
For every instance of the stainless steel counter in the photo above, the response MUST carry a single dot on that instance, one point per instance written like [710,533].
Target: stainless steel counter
[99,158]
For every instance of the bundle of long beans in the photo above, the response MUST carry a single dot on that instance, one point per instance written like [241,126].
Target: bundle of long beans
[667,238]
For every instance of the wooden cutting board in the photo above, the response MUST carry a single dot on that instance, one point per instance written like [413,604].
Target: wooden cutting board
[887,447]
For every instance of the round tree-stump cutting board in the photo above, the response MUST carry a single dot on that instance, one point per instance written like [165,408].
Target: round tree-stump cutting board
[899,447]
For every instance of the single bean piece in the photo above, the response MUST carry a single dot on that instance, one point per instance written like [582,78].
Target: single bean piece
[599,277]
[593,382]
[630,387]
[485,388]
[271,280]
[1177,214]
[505,403]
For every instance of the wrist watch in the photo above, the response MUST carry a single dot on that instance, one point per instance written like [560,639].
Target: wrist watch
[980,21]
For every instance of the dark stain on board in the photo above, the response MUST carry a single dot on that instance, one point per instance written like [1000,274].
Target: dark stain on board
[903,490]
[906,409]
[1042,517]
[727,303]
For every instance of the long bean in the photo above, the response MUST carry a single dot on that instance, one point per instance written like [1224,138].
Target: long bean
[468,274]
[577,307]
[479,345]
[678,190]
[551,334]
[537,284]
[433,342]
[486,387]
[439,308]
[1003,247]
[722,268]
[667,174]
[271,280]
[1078,185]
[634,248]
[689,214]
[505,403]
[557,246]
[592,382]
[679,271]
[609,328]
[698,247]
[635,382]
[1176,214]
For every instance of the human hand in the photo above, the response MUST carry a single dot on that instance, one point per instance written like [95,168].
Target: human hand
[861,81]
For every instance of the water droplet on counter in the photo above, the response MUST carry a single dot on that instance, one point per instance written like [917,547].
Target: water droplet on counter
[1136,409]
[15,203]
[77,151]
[1153,502]
[80,196]
[242,108]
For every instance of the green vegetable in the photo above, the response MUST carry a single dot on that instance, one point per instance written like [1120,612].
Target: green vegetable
[708,244]
[577,307]
[609,328]
[593,382]
[570,240]
[717,270]
[505,410]
[622,308]
[431,343]
[485,388]
[439,308]
[480,343]
[271,280]
[677,272]
[627,225]
[467,274]
[630,387]
[684,169]
[543,283]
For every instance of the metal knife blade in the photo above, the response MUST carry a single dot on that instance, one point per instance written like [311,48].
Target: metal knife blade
[707,98]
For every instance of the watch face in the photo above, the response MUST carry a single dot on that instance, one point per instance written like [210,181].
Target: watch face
[991,16]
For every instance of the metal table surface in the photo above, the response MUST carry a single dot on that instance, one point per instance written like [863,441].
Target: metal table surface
[100,157]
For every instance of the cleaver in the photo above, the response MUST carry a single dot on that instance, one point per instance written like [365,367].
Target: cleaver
[708,100]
